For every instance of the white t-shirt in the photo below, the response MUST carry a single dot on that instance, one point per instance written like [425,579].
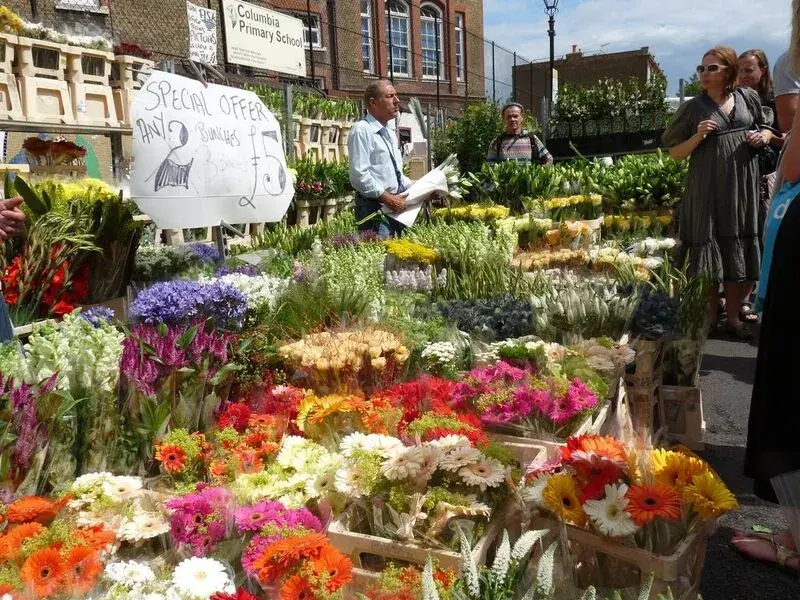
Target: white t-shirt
[786,81]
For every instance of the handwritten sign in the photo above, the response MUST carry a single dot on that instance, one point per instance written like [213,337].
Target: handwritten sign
[202,155]
[202,34]
[264,39]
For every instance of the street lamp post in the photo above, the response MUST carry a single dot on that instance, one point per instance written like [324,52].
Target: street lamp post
[551,8]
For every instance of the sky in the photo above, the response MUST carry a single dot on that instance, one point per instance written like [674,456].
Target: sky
[678,32]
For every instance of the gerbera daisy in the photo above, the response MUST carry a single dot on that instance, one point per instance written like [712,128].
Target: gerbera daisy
[42,571]
[486,472]
[200,577]
[144,526]
[172,457]
[12,541]
[709,496]
[604,446]
[261,420]
[459,457]
[32,508]
[82,568]
[609,514]
[297,587]
[402,462]
[333,568]
[122,487]
[239,595]
[675,468]
[560,496]
[650,502]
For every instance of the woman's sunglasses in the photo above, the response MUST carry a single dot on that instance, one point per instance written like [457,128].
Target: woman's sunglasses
[710,68]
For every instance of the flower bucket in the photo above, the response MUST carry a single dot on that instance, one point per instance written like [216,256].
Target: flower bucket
[683,415]
[648,367]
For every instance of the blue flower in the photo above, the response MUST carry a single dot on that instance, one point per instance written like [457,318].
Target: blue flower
[97,315]
[181,302]
[203,252]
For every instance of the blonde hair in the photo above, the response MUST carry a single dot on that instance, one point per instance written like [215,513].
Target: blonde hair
[794,49]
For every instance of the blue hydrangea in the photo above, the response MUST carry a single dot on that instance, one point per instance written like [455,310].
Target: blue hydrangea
[181,302]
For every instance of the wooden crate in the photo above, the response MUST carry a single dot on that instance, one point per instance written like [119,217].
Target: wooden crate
[681,571]
[646,409]
[683,410]
[649,364]
[357,545]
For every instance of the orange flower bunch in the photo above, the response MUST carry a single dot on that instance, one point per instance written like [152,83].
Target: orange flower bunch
[319,416]
[405,583]
[45,556]
[304,566]
[183,455]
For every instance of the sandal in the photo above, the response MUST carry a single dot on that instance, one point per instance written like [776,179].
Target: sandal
[738,332]
[782,554]
[747,314]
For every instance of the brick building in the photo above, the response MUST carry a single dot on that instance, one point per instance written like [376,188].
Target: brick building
[582,71]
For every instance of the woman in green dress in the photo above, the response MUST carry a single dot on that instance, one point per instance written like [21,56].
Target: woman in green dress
[721,131]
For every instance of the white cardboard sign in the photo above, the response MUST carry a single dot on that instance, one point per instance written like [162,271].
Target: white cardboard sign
[202,155]
[202,34]
[264,39]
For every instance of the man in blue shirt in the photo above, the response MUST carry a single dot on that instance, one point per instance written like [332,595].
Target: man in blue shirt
[376,166]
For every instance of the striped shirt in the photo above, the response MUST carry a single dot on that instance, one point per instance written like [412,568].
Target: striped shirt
[523,147]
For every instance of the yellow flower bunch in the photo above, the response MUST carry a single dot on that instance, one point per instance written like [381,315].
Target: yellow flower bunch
[407,250]
[551,259]
[474,212]
[636,221]
[10,22]
[593,199]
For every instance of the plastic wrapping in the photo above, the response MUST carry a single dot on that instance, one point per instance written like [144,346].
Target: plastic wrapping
[787,488]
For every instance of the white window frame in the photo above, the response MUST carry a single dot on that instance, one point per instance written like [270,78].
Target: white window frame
[460,47]
[89,6]
[406,17]
[432,22]
[316,27]
[366,37]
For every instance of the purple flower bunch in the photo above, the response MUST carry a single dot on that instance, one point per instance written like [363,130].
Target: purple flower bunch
[205,253]
[354,238]
[148,354]
[25,425]
[249,270]
[201,520]
[486,380]
[273,514]
[97,315]
[177,302]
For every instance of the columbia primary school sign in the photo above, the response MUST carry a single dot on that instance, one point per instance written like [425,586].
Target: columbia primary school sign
[264,39]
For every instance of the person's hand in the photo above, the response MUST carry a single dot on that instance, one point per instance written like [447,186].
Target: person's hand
[758,139]
[395,203]
[12,219]
[706,127]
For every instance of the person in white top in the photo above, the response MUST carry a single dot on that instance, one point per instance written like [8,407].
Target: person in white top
[376,166]
[787,92]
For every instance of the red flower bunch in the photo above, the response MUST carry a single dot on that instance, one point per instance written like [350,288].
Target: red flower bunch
[415,398]
[130,49]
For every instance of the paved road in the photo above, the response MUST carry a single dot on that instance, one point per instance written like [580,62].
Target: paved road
[727,377]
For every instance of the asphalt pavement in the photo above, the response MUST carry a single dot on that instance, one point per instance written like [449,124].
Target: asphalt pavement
[727,377]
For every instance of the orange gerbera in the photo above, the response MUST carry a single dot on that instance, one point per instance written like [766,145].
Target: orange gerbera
[259,420]
[587,445]
[249,461]
[277,558]
[333,568]
[172,457]
[646,503]
[297,588]
[32,508]
[12,541]
[82,568]
[41,572]
[96,537]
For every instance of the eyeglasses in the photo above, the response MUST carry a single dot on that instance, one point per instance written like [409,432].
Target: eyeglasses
[710,68]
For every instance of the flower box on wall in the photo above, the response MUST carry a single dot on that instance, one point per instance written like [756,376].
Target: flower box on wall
[604,563]
[40,67]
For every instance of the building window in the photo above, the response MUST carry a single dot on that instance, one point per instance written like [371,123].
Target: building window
[459,30]
[398,23]
[90,6]
[432,41]
[366,36]
[314,30]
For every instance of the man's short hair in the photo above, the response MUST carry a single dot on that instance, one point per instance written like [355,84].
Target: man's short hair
[374,90]
[512,105]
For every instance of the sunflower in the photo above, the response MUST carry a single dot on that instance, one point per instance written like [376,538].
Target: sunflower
[646,503]
[333,568]
[12,541]
[297,587]
[675,468]
[709,496]
[172,457]
[42,571]
[82,568]
[32,508]
[561,498]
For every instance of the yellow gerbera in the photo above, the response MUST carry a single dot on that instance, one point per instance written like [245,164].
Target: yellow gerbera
[675,468]
[561,498]
[709,496]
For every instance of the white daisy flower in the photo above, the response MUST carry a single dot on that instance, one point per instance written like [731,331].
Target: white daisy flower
[129,573]
[402,463]
[143,526]
[610,514]
[459,457]
[200,577]
[122,487]
[449,443]
[354,441]
[429,462]
[486,472]
[350,482]
[290,448]
[533,492]
[322,485]
[383,444]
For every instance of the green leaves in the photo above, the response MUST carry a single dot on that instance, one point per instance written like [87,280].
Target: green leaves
[39,204]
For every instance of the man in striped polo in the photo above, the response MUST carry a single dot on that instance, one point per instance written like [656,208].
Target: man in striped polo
[515,143]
